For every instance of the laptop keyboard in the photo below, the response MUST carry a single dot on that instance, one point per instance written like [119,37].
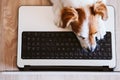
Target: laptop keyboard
[62,45]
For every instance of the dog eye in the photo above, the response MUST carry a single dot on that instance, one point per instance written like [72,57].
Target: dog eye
[93,33]
[96,32]
[82,37]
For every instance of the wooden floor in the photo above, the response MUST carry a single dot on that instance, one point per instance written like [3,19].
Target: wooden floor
[59,76]
[8,30]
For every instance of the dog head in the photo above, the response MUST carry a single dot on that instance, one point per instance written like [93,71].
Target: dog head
[84,22]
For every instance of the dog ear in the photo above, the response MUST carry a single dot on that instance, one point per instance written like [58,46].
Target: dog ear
[101,9]
[68,16]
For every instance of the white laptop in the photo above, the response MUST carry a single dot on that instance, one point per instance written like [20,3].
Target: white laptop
[42,53]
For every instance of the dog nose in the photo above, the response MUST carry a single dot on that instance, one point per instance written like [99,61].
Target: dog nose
[90,49]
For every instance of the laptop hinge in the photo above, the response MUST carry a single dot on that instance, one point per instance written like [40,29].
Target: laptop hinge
[67,68]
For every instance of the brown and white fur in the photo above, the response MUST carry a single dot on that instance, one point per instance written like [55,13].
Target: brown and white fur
[85,17]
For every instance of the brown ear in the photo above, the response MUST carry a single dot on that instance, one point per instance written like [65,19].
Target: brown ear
[68,15]
[101,9]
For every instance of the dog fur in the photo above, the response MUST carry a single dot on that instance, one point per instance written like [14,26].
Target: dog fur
[85,17]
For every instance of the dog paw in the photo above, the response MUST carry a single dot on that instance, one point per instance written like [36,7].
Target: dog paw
[101,35]
[58,22]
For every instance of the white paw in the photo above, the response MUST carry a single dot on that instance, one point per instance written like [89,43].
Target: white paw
[101,34]
[101,29]
[58,22]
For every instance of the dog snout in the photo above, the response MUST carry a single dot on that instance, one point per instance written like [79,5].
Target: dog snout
[89,49]
[92,48]
[88,45]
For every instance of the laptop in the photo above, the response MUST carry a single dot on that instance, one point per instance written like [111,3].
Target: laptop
[44,46]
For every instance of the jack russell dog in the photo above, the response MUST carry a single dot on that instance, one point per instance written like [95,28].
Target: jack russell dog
[85,17]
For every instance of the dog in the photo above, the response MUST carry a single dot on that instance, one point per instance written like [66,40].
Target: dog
[85,17]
